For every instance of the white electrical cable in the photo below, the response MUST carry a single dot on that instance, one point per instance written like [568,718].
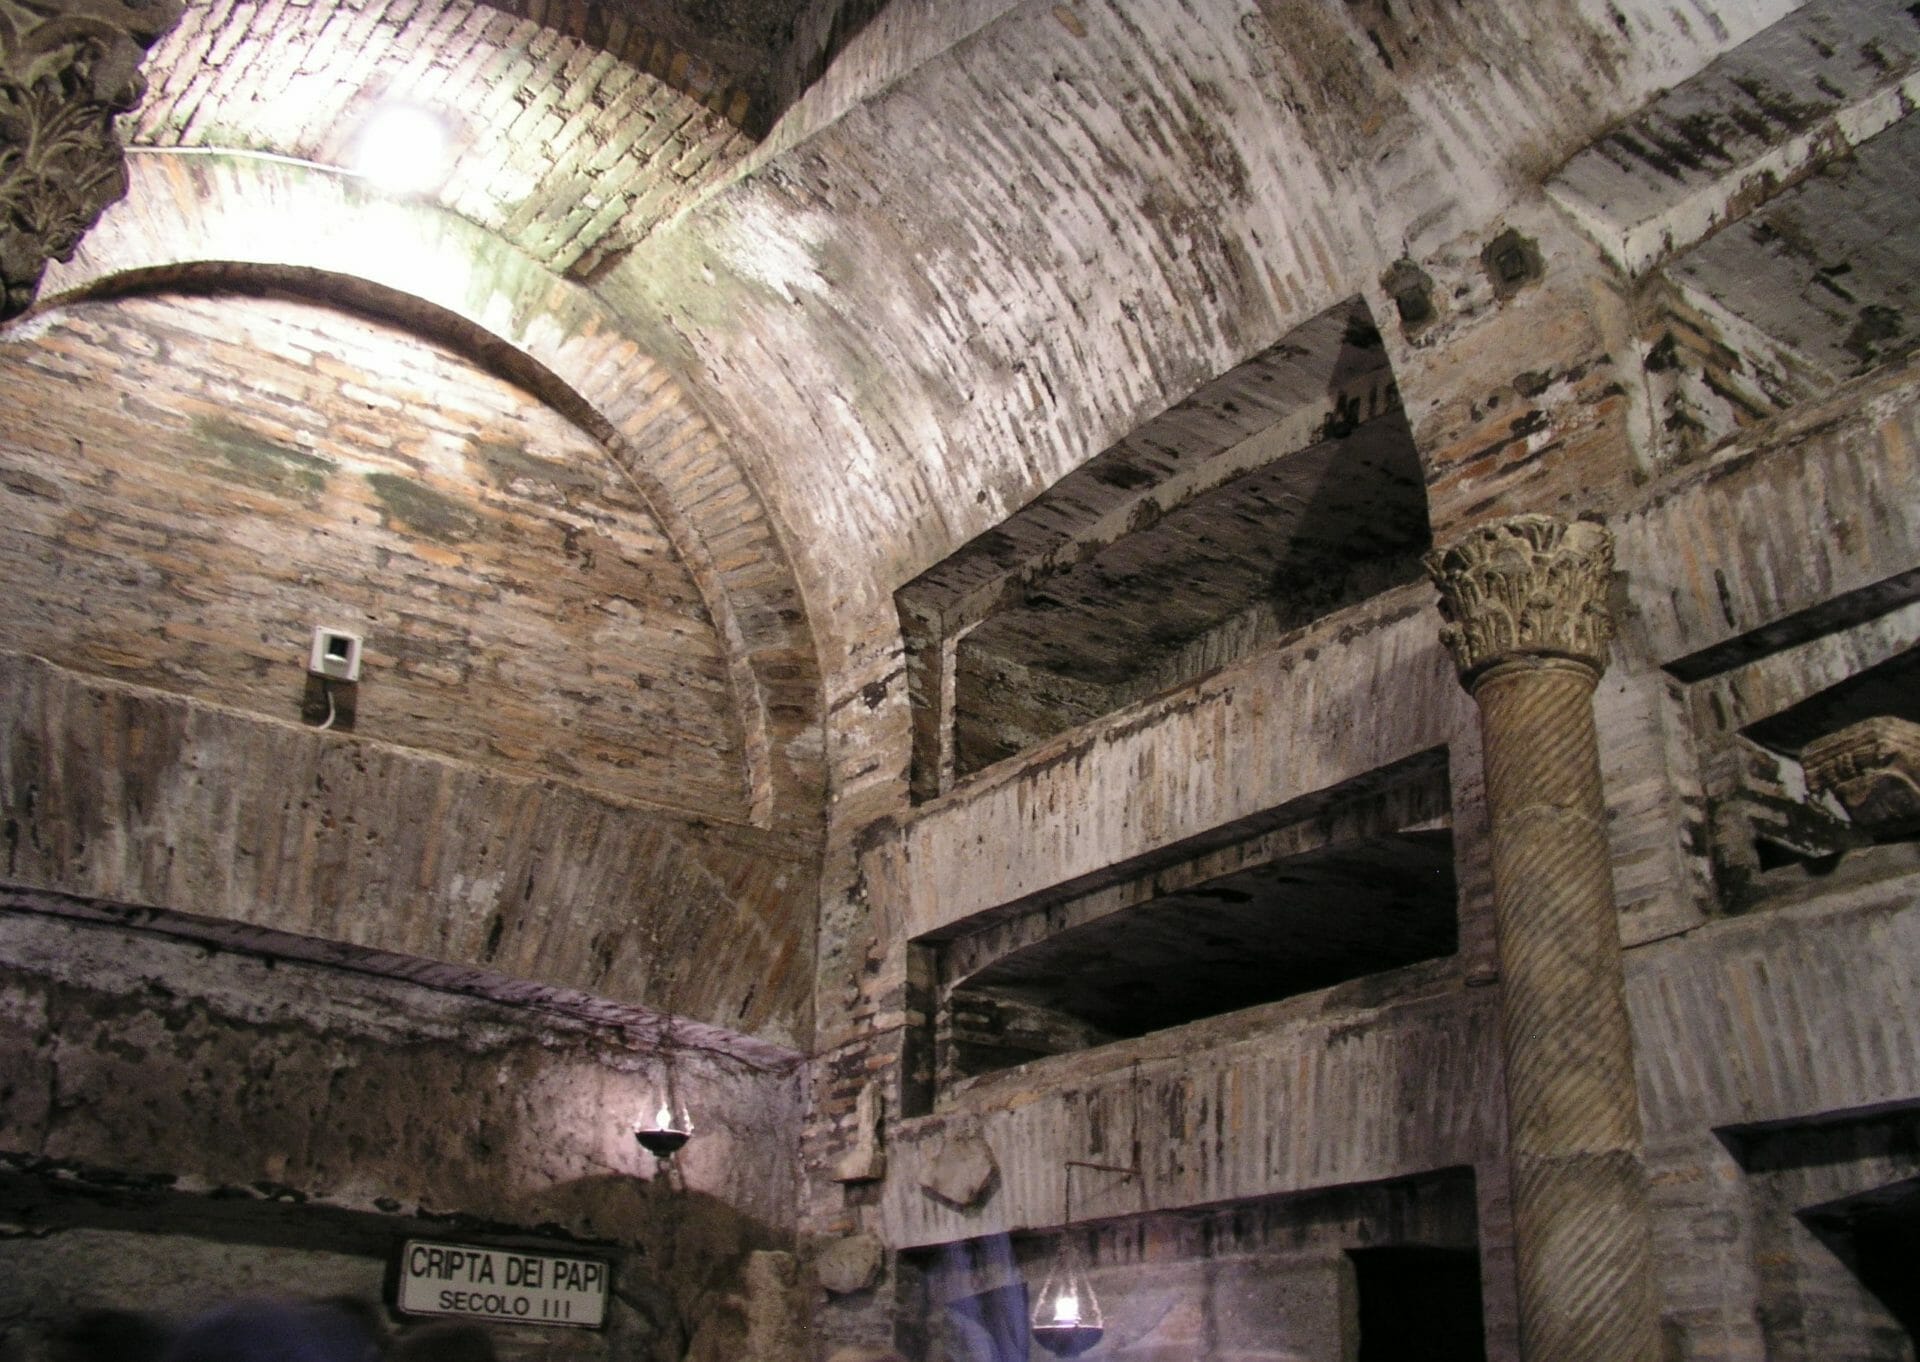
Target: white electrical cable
[331,712]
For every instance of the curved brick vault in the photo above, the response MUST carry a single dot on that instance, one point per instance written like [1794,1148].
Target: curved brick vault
[234,216]
[567,153]
[928,312]
[907,329]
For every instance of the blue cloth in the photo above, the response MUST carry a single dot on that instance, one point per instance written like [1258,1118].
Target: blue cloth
[273,1331]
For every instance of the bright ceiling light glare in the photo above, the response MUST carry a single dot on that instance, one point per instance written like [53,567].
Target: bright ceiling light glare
[402,150]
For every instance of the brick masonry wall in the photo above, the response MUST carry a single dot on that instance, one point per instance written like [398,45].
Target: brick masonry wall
[131,796]
[190,484]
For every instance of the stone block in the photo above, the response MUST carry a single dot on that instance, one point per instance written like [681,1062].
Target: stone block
[866,1161]
[850,1264]
[963,1173]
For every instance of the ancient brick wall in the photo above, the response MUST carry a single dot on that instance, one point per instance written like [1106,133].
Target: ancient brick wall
[191,484]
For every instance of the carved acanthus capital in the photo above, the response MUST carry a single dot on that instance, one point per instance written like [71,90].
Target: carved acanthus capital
[1526,586]
[1873,769]
[66,68]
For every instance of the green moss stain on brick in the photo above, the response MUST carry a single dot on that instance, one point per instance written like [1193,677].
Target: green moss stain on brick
[246,457]
[424,510]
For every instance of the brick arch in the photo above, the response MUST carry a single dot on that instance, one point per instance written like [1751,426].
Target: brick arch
[215,218]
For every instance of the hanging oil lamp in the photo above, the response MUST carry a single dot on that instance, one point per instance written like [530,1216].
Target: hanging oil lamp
[664,1130]
[1066,1315]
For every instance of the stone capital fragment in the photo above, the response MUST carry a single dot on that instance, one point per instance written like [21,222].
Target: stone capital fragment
[866,1159]
[963,1172]
[851,1264]
[1873,769]
[66,68]
[1526,586]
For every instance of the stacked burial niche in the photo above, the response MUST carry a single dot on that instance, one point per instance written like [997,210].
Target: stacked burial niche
[1353,885]
[1277,494]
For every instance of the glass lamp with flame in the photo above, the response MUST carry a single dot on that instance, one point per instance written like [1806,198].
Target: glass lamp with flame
[1066,1316]
[666,1129]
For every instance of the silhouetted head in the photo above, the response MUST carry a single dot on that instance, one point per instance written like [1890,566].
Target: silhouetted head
[111,1336]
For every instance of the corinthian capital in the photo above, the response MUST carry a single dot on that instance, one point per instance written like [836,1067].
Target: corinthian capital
[1526,586]
[66,68]
[1873,768]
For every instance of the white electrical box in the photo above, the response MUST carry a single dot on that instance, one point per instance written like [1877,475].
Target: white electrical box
[335,654]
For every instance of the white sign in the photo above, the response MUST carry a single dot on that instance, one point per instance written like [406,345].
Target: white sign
[507,1285]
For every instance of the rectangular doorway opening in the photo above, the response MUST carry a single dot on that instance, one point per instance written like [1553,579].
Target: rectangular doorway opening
[1418,1304]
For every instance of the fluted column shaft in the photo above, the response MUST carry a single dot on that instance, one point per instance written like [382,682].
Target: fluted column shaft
[1526,598]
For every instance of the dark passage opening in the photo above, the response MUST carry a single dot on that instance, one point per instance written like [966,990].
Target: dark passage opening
[1419,1304]
[1877,1234]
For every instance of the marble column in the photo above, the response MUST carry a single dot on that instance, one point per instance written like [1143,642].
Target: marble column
[1528,623]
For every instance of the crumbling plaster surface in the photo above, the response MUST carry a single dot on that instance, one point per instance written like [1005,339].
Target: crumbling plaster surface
[275,1126]
[294,1080]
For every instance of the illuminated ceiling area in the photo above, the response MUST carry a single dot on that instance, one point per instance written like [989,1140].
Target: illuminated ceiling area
[568,154]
